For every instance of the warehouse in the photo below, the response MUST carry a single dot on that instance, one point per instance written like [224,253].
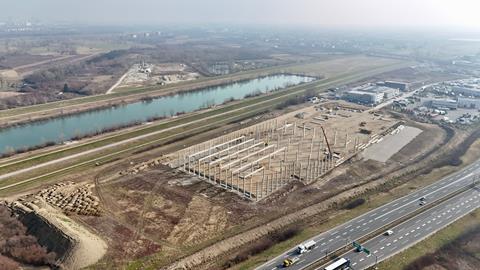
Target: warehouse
[466,91]
[393,84]
[469,103]
[370,94]
[442,104]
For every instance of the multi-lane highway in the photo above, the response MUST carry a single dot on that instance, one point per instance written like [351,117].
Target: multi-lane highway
[415,229]
[378,218]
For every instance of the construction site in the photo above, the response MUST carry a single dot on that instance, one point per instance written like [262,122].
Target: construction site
[300,146]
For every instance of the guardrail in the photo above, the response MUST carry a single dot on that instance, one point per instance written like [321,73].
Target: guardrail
[336,253]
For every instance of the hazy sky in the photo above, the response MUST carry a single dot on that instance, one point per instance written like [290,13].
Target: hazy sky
[377,13]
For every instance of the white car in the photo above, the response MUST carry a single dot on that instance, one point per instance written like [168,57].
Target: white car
[389,232]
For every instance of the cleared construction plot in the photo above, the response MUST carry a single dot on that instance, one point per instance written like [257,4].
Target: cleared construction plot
[161,74]
[391,143]
[302,145]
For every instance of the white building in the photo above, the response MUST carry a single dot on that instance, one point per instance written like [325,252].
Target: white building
[469,103]
[363,97]
[371,94]
[443,103]
[466,91]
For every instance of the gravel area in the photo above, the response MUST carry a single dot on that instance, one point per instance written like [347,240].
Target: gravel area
[391,144]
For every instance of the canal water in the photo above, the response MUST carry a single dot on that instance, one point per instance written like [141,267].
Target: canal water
[65,128]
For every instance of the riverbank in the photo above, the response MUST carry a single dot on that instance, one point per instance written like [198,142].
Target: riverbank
[328,68]
[74,127]
[47,111]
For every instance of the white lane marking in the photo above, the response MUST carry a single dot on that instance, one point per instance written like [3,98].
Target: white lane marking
[426,195]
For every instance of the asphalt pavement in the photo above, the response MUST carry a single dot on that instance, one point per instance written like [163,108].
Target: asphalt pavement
[415,230]
[343,235]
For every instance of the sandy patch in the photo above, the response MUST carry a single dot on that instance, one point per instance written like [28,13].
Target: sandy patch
[8,74]
[87,247]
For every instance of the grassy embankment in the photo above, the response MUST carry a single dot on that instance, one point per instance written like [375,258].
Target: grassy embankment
[228,112]
[376,200]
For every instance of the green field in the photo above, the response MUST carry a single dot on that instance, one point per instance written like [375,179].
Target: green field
[329,68]
[230,112]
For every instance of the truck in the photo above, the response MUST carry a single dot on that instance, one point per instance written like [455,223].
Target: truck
[290,261]
[339,264]
[307,246]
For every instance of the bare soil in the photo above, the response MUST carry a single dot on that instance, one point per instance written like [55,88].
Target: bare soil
[179,214]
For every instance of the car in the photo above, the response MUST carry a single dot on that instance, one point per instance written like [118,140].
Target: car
[422,199]
[290,261]
[423,202]
[389,232]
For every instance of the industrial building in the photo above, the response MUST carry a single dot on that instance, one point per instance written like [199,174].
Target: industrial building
[466,91]
[469,103]
[442,104]
[370,94]
[363,97]
[396,85]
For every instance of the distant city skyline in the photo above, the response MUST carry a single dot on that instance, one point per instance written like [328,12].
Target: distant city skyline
[328,13]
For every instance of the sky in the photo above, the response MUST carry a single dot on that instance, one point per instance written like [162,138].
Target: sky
[337,13]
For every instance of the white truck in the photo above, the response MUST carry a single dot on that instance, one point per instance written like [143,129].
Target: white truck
[304,247]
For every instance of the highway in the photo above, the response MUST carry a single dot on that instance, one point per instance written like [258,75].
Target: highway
[359,227]
[414,230]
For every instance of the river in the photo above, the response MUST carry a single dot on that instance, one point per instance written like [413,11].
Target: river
[65,128]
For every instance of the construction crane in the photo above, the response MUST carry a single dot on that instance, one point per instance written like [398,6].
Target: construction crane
[330,153]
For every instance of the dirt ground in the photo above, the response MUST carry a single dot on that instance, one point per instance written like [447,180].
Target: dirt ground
[160,74]
[262,158]
[167,213]
[87,247]
[8,94]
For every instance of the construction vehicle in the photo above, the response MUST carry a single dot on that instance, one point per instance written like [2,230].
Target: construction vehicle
[290,261]
[304,247]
